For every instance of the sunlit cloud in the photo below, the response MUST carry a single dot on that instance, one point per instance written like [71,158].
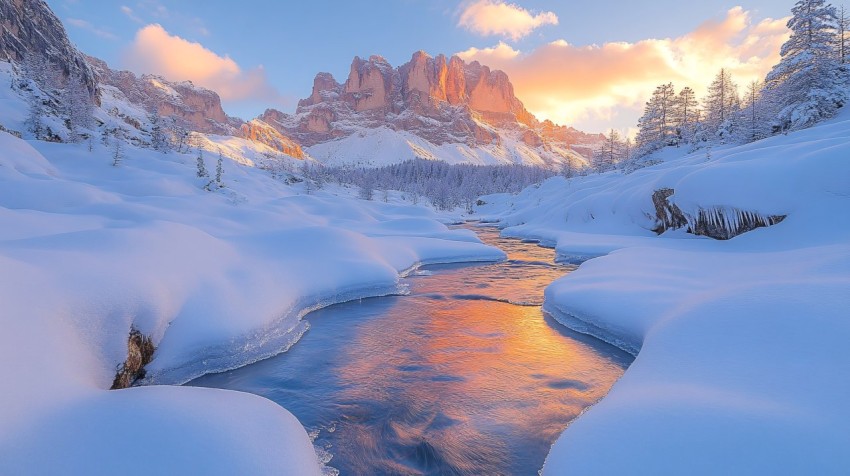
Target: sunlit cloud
[84,25]
[156,51]
[496,17]
[600,86]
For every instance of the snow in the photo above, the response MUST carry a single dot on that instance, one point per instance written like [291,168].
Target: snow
[740,364]
[383,146]
[217,279]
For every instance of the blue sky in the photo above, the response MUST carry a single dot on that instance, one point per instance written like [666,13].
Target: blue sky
[295,40]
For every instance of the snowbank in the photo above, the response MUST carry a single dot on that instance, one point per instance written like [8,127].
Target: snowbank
[217,279]
[739,366]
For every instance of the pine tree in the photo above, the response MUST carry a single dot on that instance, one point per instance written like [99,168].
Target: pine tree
[35,111]
[656,128]
[686,114]
[219,170]
[809,83]
[181,137]
[753,116]
[202,168]
[117,153]
[610,152]
[843,25]
[721,106]
[104,136]
[158,139]
[367,187]
[78,107]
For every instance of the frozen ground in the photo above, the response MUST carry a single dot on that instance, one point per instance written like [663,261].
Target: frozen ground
[217,279]
[740,344]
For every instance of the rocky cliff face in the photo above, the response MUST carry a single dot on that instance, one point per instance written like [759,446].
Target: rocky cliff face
[29,27]
[442,100]
[197,108]
[259,131]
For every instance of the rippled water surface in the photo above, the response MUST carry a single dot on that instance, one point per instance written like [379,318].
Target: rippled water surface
[464,376]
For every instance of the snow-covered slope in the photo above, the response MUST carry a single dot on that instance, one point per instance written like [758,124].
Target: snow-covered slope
[383,146]
[217,279]
[740,367]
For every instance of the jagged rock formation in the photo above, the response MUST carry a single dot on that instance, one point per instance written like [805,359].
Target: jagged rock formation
[444,101]
[718,223]
[194,107]
[140,351]
[29,27]
[197,108]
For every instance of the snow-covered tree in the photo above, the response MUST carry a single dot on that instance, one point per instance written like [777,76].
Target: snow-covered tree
[609,153]
[656,128]
[35,111]
[159,140]
[686,115]
[201,166]
[721,106]
[180,136]
[117,152]
[367,188]
[809,83]
[842,26]
[219,170]
[755,123]
[78,107]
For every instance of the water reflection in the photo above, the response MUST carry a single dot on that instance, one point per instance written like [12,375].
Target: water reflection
[449,380]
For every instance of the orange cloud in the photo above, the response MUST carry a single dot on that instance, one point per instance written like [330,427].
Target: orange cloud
[156,51]
[495,17]
[600,86]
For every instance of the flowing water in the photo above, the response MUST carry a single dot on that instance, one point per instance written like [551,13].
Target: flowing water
[463,376]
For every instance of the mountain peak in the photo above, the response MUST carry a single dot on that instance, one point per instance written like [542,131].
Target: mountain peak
[441,100]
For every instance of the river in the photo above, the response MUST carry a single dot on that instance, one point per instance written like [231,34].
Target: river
[465,375]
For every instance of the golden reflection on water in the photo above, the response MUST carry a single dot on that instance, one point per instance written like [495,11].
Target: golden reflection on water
[467,378]
[448,380]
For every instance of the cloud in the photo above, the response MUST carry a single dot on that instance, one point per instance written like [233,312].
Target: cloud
[84,25]
[496,17]
[131,14]
[600,86]
[156,51]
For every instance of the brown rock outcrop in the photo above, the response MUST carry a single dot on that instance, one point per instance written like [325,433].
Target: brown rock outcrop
[443,100]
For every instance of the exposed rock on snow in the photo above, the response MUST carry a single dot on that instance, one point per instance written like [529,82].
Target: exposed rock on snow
[668,215]
[140,351]
[718,223]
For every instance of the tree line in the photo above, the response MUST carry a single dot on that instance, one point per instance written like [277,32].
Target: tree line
[808,85]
